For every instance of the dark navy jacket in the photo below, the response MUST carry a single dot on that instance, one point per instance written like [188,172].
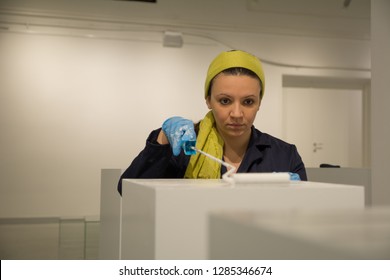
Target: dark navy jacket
[265,153]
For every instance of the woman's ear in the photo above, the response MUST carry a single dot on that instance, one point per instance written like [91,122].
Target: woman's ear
[208,102]
[259,106]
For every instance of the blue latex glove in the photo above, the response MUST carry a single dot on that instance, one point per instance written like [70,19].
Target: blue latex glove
[178,130]
[294,176]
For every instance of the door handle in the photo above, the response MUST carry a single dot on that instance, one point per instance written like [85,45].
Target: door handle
[317,146]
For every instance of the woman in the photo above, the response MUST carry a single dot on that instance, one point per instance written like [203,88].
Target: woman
[234,89]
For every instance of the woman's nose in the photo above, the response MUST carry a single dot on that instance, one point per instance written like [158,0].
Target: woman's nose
[236,111]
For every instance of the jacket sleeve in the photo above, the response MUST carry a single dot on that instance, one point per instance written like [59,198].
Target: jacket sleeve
[154,161]
[297,165]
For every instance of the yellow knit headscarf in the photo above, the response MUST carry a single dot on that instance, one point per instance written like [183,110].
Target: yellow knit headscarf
[231,59]
[208,139]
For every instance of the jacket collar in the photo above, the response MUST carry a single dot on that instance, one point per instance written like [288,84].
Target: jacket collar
[257,143]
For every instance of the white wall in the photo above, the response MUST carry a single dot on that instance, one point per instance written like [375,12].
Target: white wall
[380,101]
[73,106]
[70,106]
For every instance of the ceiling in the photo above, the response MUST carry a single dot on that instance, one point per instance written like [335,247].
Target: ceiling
[348,19]
[330,18]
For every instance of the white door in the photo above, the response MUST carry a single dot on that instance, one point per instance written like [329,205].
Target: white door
[326,125]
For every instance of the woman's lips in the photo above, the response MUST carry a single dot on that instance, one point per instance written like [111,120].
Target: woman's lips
[235,125]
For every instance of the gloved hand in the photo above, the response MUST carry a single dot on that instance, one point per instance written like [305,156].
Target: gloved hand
[178,130]
[294,176]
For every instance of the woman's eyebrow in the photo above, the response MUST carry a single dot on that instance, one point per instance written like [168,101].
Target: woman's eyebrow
[223,94]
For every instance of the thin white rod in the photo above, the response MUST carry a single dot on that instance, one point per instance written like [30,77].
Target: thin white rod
[230,168]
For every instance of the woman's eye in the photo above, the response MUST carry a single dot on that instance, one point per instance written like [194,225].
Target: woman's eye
[249,102]
[224,101]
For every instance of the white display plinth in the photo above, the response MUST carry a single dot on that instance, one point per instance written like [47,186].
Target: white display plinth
[168,218]
[301,235]
[110,215]
[343,175]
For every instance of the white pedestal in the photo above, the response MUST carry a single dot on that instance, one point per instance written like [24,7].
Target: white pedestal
[168,218]
[343,175]
[301,235]
[110,215]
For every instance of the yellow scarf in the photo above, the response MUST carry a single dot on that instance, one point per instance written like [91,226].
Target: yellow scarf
[209,141]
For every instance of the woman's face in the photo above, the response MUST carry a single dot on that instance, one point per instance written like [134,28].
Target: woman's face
[234,101]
